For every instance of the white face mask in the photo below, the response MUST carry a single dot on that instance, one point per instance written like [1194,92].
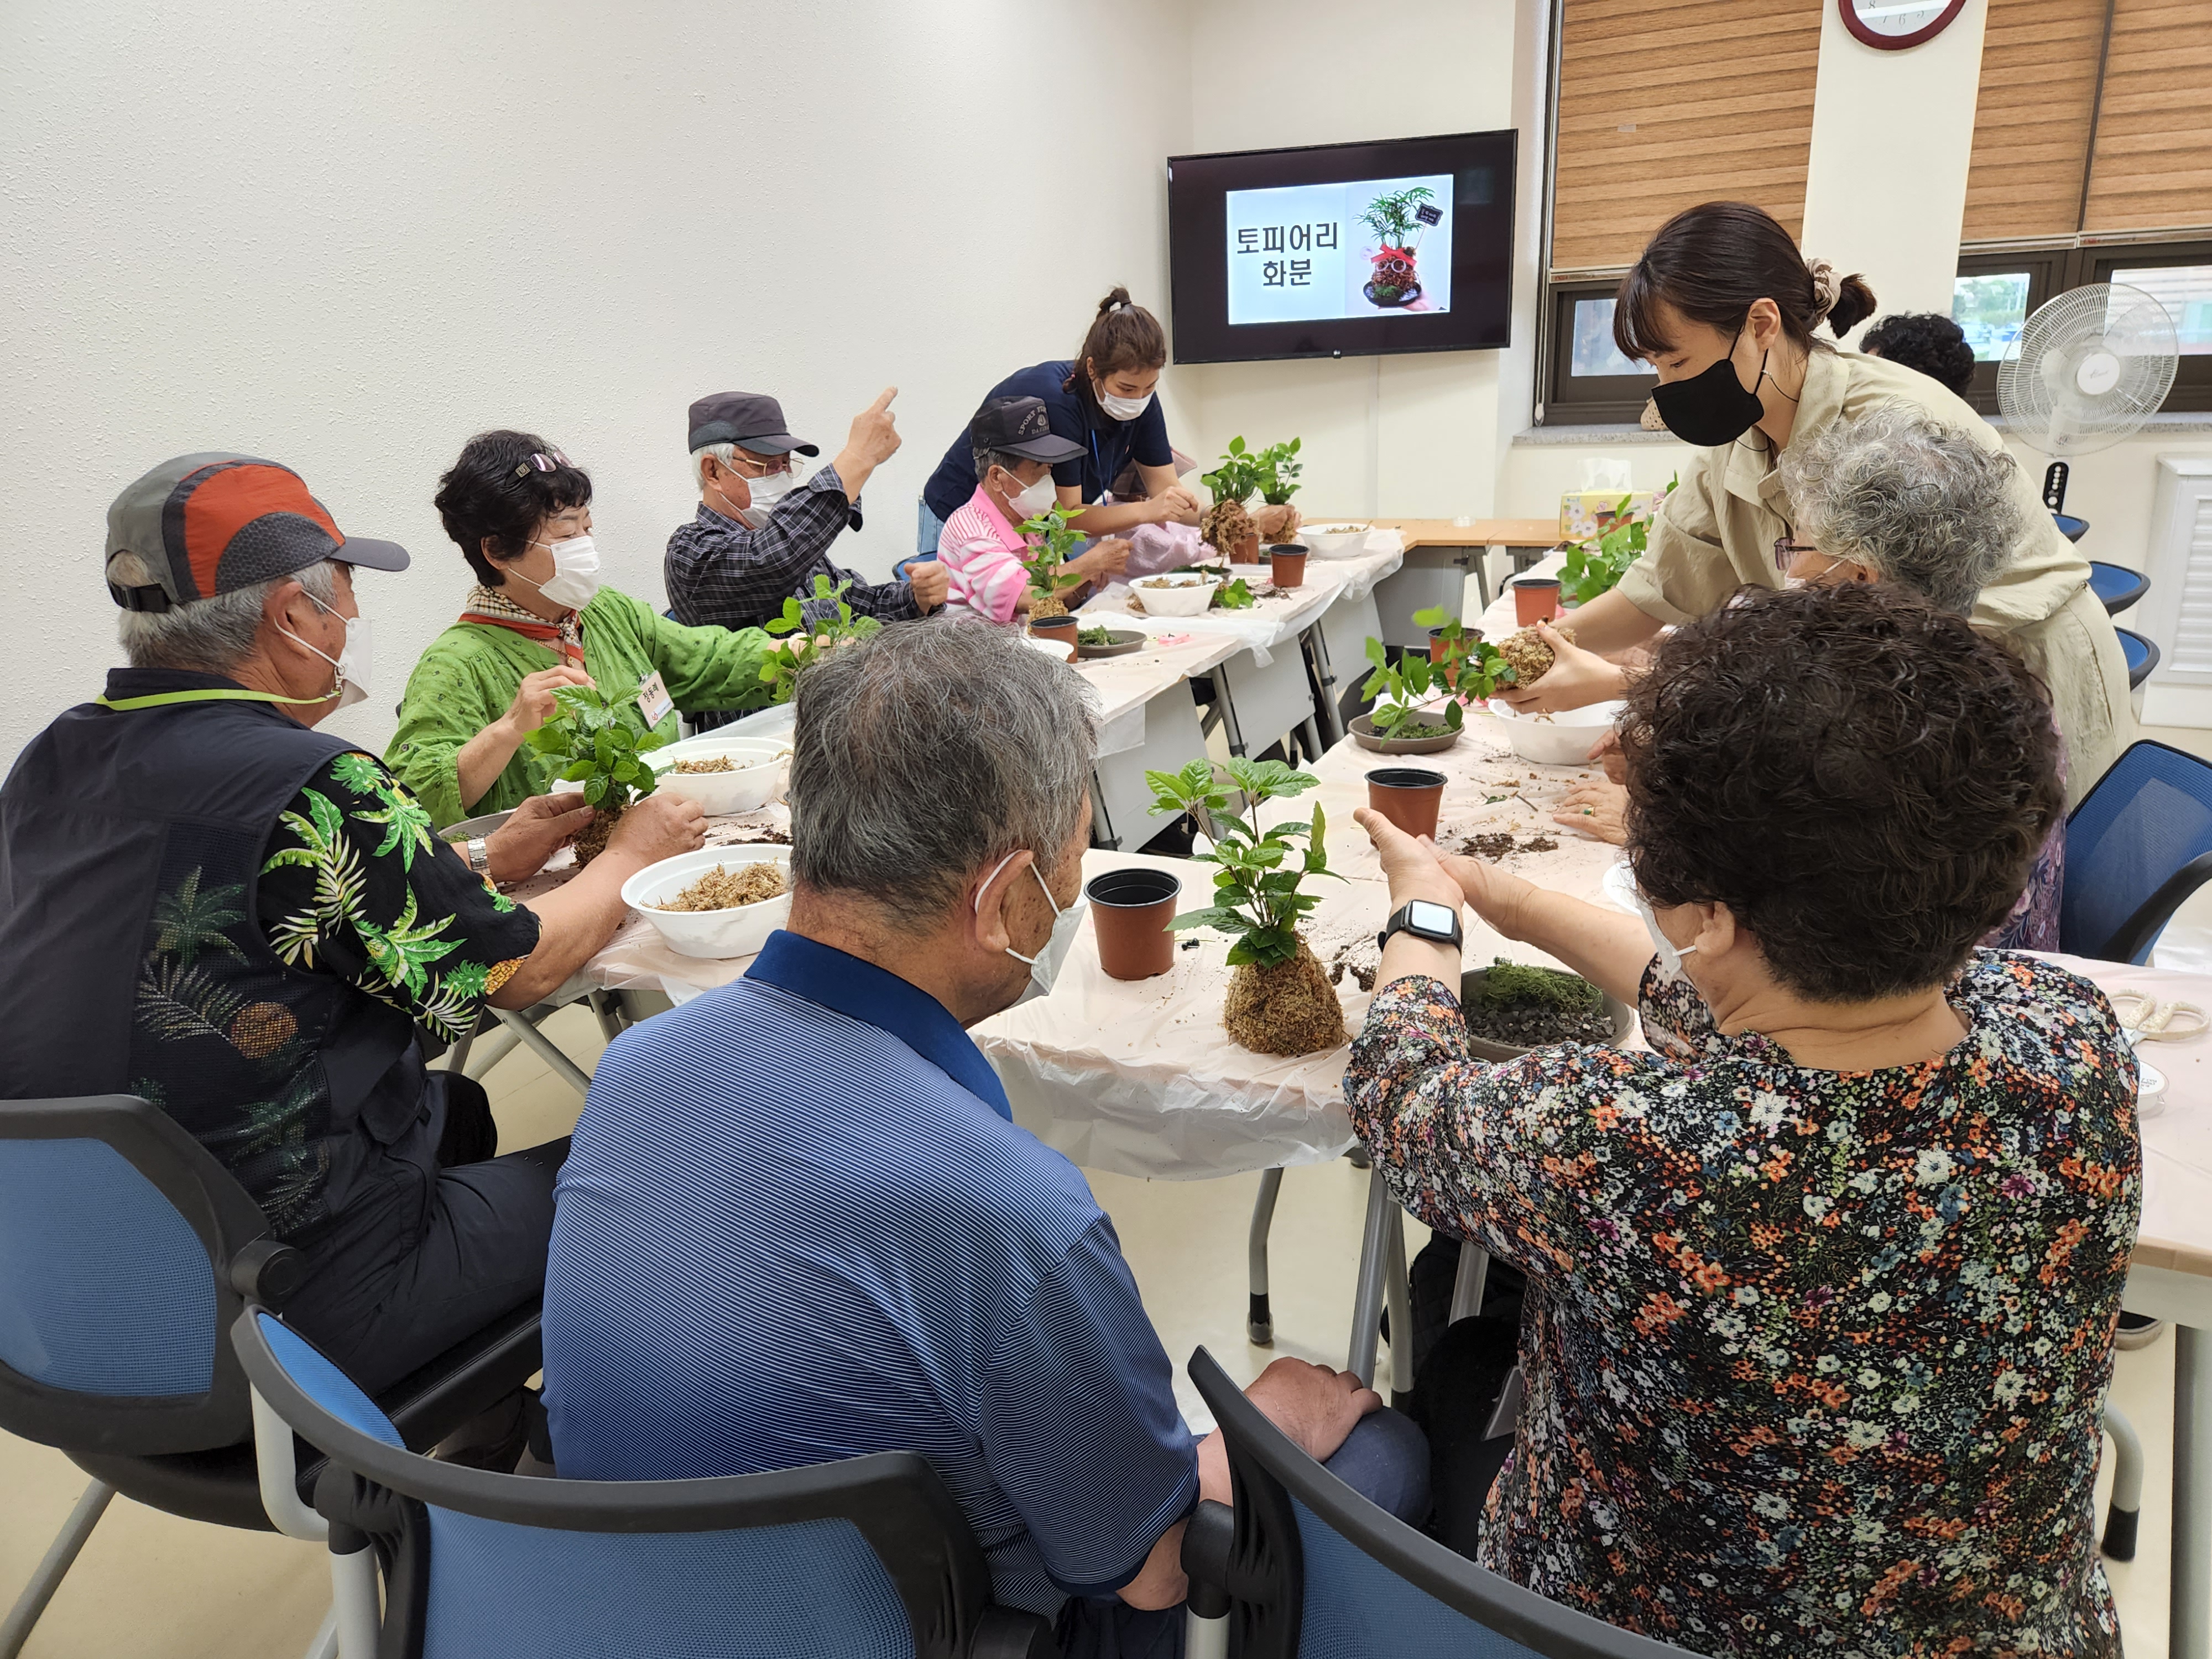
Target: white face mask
[1044,966]
[764,493]
[1037,498]
[1122,409]
[576,572]
[353,658]
[1670,955]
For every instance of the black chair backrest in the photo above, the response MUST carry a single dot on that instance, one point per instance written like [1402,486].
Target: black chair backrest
[895,1500]
[119,1238]
[1267,1568]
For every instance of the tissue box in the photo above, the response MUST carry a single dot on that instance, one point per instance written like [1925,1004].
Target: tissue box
[1587,512]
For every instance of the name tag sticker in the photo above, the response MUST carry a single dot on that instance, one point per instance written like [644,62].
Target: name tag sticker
[652,699]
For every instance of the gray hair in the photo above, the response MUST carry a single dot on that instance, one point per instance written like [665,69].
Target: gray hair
[206,636]
[988,458]
[928,753]
[1918,502]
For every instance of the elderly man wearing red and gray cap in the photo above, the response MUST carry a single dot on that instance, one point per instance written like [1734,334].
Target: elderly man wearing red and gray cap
[761,535]
[207,902]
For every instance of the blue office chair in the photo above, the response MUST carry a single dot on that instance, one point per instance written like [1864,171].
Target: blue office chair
[125,1251]
[2116,586]
[2139,843]
[2142,656]
[2071,527]
[1304,1565]
[868,1557]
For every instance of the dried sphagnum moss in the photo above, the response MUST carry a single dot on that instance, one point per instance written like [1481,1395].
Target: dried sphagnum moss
[724,888]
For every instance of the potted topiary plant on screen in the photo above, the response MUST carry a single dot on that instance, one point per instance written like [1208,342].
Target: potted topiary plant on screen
[1227,526]
[1396,217]
[1279,1001]
[598,738]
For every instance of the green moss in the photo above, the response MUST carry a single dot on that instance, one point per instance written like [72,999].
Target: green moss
[1514,984]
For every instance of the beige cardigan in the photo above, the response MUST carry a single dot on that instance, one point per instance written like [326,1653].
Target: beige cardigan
[1716,533]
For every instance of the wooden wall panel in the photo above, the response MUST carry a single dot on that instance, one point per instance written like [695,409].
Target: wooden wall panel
[1666,103]
[2032,120]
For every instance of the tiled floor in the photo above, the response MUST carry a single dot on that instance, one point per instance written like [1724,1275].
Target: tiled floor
[152,1587]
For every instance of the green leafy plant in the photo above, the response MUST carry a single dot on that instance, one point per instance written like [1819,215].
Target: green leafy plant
[1235,594]
[1397,688]
[1390,215]
[1596,564]
[599,739]
[1278,469]
[1237,476]
[1051,540]
[1471,665]
[828,631]
[1101,635]
[1257,899]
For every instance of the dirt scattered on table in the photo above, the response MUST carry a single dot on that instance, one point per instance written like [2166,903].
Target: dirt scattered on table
[1499,844]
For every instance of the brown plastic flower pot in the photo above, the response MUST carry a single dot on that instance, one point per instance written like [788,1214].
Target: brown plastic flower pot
[1289,565]
[1535,598]
[1246,550]
[1060,630]
[1409,796]
[1130,910]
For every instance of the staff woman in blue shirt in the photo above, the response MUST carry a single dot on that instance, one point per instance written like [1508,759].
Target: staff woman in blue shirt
[1104,399]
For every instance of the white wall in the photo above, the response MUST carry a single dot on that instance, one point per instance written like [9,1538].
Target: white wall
[347,236]
[1408,435]
[1893,132]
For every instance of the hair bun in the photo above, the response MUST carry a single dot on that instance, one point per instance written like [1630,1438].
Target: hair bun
[1117,301]
[1843,302]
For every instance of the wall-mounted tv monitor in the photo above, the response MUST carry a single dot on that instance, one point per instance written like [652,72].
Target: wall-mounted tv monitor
[1343,250]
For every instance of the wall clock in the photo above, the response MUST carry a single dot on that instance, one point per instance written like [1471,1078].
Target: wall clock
[1893,24]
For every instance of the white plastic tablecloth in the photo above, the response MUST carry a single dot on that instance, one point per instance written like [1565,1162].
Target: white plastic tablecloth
[1276,618]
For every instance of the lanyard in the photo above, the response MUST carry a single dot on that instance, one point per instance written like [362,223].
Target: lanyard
[159,699]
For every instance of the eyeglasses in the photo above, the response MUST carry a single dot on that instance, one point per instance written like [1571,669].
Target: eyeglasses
[768,468]
[542,462]
[1786,551]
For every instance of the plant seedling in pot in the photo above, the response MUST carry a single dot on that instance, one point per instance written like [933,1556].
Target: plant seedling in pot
[834,627]
[1279,1001]
[1051,541]
[1278,469]
[1469,664]
[598,738]
[1596,564]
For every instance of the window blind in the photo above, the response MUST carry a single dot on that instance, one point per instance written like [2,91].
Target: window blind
[1663,104]
[2152,169]
[2038,89]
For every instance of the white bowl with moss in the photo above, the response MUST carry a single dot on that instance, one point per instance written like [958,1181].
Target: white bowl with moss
[1180,593]
[1336,541]
[1560,739]
[734,775]
[708,877]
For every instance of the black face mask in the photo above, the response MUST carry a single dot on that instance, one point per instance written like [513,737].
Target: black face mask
[1711,408]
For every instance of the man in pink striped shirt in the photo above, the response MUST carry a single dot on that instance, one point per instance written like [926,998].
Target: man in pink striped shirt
[980,547]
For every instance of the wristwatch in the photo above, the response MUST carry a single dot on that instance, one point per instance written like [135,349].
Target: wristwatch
[1422,919]
[479,853]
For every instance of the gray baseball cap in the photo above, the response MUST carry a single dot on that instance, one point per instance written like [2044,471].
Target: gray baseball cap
[197,526]
[751,420]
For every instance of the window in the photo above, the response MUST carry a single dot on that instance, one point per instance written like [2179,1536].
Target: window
[1659,104]
[2093,141]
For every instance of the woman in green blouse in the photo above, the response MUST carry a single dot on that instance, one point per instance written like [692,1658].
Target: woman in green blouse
[538,620]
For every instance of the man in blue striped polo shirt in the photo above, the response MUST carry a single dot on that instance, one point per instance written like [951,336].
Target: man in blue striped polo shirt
[799,1222]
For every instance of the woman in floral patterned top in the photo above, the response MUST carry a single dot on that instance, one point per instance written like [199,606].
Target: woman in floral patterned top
[1822,1289]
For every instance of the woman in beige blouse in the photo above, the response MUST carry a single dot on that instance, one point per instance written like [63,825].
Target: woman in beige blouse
[1723,306]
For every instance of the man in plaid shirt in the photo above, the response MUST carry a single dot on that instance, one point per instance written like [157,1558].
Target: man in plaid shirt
[761,537]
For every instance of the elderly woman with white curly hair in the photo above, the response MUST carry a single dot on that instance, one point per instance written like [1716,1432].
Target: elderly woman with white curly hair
[1896,495]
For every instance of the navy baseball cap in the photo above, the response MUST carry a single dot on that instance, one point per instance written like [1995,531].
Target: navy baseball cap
[751,420]
[1019,426]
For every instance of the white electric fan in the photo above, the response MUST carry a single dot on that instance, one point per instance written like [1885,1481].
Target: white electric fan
[2086,370]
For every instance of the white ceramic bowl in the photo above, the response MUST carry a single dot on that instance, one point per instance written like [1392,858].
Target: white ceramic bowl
[763,769]
[1184,596]
[1335,540]
[713,934]
[1561,739]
